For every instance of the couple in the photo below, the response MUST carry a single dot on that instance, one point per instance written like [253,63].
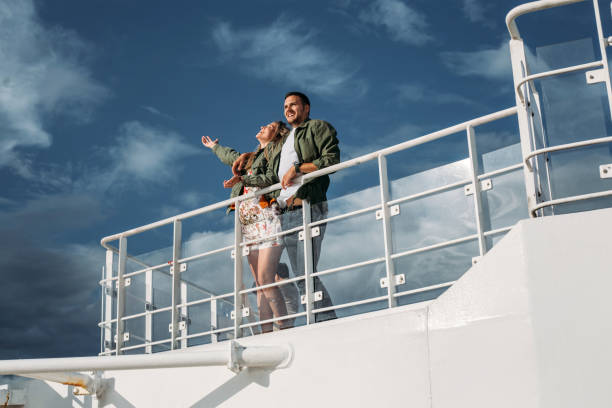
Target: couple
[283,154]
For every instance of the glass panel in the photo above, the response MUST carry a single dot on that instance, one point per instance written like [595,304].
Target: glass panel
[563,52]
[353,188]
[135,295]
[199,319]
[162,288]
[497,145]
[359,309]
[351,240]
[433,267]
[161,322]
[576,172]
[433,219]
[573,110]
[207,232]
[432,168]
[353,285]
[593,204]
[160,347]
[150,248]
[211,275]
[506,203]
[136,328]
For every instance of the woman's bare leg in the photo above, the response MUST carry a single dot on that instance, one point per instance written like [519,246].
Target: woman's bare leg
[262,302]
[266,272]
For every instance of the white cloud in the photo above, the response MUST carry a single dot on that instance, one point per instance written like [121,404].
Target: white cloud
[156,112]
[401,21]
[41,74]
[142,153]
[418,93]
[474,10]
[492,63]
[284,51]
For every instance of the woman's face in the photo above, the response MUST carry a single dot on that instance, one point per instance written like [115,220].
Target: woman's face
[267,133]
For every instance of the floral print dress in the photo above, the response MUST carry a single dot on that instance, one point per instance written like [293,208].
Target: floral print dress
[259,221]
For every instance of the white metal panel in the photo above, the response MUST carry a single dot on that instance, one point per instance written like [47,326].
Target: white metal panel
[480,335]
[570,276]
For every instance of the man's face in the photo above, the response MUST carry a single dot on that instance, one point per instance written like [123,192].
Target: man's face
[295,111]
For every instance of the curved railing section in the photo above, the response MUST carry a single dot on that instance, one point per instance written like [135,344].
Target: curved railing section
[541,178]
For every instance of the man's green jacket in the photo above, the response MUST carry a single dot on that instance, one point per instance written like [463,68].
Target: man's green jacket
[315,142]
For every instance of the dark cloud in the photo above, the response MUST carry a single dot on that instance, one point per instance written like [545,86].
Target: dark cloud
[49,291]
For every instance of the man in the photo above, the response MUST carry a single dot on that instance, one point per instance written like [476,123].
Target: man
[311,145]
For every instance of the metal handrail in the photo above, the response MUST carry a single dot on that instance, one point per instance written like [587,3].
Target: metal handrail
[554,72]
[571,199]
[530,8]
[567,146]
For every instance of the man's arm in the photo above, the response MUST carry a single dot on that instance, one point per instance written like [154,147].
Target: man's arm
[239,163]
[261,180]
[327,143]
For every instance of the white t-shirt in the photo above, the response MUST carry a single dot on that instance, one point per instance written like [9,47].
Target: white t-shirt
[287,158]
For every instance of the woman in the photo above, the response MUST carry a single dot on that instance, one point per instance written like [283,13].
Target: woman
[259,219]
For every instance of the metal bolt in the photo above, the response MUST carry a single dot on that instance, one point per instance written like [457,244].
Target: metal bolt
[605,171]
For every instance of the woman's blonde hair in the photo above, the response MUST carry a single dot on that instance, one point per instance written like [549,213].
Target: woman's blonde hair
[281,131]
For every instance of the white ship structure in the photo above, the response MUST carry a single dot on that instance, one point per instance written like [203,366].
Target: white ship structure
[480,282]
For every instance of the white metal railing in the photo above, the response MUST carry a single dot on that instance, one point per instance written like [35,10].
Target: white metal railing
[382,209]
[66,370]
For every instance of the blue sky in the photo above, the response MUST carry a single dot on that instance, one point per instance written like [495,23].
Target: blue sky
[103,103]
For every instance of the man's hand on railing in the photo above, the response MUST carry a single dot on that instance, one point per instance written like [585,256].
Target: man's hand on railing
[231,182]
[240,163]
[208,142]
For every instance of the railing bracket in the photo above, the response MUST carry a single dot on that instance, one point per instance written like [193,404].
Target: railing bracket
[596,76]
[605,171]
[484,186]
[314,232]
[126,282]
[246,312]
[316,296]
[126,337]
[400,279]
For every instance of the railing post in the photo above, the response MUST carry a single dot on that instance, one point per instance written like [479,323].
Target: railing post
[386,219]
[213,321]
[184,315]
[149,309]
[121,293]
[108,303]
[308,262]
[176,282]
[237,273]
[604,56]
[471,139]
[519,71]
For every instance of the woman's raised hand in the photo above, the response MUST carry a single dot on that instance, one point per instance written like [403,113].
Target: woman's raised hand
[208,142]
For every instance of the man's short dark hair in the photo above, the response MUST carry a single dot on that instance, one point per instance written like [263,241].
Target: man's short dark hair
[303,97]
